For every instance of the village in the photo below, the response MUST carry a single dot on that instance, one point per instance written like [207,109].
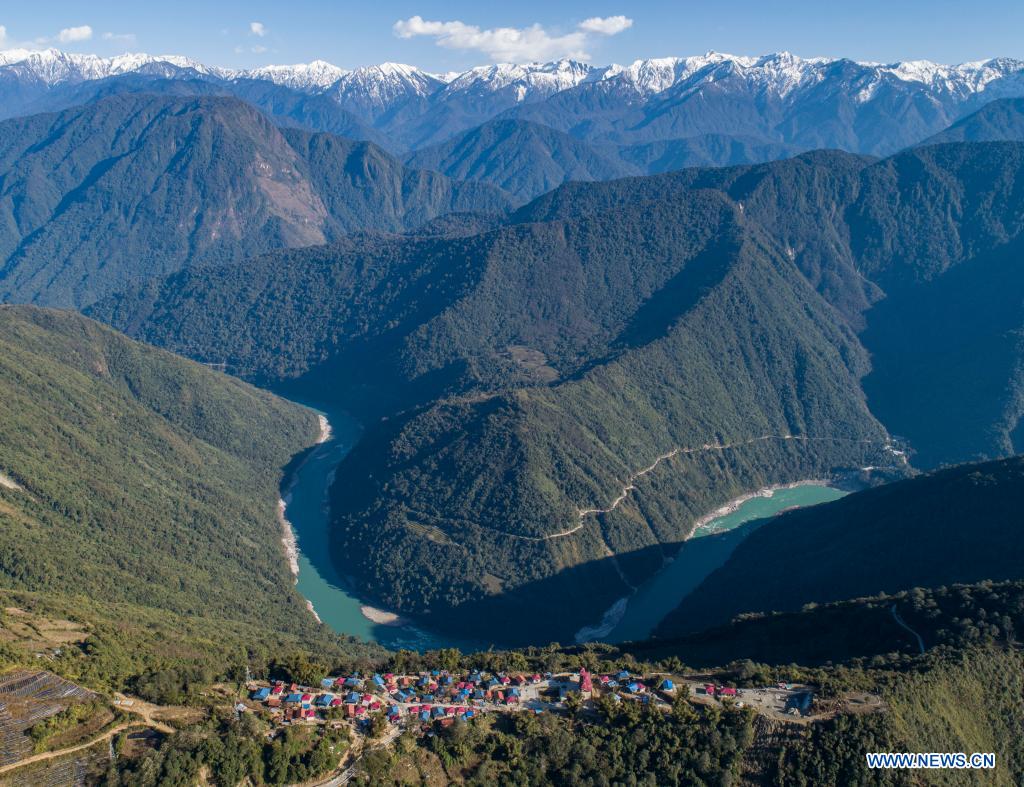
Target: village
[440,698]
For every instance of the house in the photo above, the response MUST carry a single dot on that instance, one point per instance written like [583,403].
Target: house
[327,683]
[324,700]
[424,715]
[307,697]
[278,689]
[295,698]
[725,691]
[260,694]
[668,685]
[337,702]
[353,683]
[352,698]
[622,677]
[377,679]
[274,702]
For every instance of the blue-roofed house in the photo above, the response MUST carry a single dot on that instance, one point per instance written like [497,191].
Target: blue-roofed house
[378,680]
[668,685]
[323,700]
[622,676]
[294,697]
[352,698]
[327,683]
[260,694]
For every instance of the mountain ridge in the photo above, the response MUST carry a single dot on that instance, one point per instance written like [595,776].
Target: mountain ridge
[136,185]
[807,102]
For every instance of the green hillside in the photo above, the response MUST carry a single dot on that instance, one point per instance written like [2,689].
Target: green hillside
[138,497]
[961,525]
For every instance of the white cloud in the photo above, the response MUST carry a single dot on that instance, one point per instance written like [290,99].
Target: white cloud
[511,43]
[120,38]
[607,26]
[3,35]
[258,29]
[70,35]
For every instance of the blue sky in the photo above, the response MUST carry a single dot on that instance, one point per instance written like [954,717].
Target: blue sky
[454,35]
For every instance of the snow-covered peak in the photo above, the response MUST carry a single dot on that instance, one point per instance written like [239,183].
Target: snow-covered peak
[969,77]
[52,66]
[375,89]
[317,75]
[523,79]
[390,76]
[780,72]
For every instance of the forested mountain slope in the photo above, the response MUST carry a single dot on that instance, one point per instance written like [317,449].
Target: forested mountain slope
[524,159]
[284,105]
[135,186]
[718,326]
[629,338]
[1001,120]
[138,495]
[958,525]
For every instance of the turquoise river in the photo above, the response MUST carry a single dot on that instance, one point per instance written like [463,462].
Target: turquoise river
[305,493]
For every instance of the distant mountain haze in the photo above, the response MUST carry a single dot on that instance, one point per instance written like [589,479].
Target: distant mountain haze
[138,185]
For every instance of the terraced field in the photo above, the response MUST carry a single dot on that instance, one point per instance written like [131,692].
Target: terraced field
[26,697]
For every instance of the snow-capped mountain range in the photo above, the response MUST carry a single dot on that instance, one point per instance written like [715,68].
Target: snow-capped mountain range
[781,72]
[775,98]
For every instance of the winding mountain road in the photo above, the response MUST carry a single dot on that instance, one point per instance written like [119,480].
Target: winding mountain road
[903,624]
[630,485]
